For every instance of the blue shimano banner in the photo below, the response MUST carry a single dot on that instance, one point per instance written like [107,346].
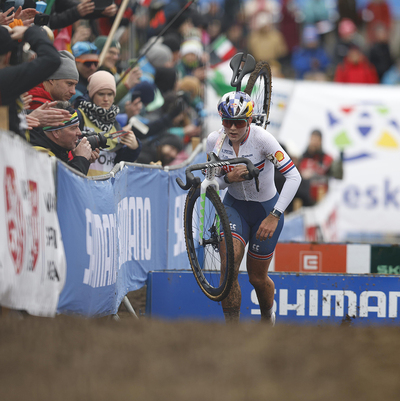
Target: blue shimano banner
[177,255]
[115,231]
[141,204]
[299,298]
[87,222]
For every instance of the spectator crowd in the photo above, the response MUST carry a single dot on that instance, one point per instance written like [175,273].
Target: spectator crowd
[75,94]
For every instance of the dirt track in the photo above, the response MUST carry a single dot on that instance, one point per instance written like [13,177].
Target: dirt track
[74,359]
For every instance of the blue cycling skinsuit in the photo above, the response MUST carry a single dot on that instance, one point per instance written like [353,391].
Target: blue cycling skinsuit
[247,208]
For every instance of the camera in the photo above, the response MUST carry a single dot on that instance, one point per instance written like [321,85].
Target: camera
[96,140]
[41,19]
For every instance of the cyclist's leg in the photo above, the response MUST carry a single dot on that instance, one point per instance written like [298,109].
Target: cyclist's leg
[259,258]
[262,283]
[240,232]
[231,304]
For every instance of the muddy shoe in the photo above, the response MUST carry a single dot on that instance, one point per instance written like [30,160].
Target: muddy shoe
[269,320]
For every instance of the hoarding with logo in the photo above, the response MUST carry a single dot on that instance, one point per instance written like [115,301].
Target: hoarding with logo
[32,260]
[299,298]
[363,122]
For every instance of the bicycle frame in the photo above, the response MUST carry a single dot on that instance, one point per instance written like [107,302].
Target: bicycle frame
[210,170]
[209,180]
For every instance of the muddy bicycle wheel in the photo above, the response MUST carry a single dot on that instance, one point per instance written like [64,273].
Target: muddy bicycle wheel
[209,243]
[259,87]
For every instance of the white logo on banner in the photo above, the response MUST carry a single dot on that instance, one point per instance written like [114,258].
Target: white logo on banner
[332,303]
[179,246]
[134,229]
[310,261]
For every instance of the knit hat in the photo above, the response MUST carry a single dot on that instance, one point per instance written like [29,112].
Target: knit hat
[101,80]
[6,43]
[173,41]
[346,27]
[310,34]
[80,48]
[165,79]
[144,90]
[101,41]
[159,55]
[192,46]
[172,140]
[190,84]
[67,69]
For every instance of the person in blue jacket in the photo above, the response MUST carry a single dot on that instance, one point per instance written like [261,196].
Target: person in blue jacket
[310,60]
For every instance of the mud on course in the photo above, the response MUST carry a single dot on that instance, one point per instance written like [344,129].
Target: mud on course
[66,359]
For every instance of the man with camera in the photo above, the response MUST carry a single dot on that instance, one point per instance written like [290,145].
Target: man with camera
[19,78]
[60,140]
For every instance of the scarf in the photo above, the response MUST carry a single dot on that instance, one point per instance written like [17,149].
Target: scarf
[102,118]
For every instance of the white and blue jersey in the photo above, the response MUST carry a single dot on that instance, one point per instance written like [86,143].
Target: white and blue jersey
[245,206]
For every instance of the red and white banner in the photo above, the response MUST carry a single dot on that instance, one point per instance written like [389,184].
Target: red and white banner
[32,259]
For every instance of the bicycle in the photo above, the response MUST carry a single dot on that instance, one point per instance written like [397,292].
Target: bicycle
[208,237]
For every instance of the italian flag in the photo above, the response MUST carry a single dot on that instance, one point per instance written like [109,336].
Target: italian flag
[223,48]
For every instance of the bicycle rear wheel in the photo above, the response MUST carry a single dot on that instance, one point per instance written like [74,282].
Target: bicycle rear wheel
[209,243]
[259,87]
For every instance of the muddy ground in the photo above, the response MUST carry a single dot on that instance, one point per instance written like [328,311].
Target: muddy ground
[69,359]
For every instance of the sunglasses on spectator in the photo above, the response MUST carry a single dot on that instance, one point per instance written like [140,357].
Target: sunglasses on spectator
[87,63]
[239,123]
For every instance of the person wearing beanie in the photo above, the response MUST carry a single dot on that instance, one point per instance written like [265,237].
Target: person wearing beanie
[159,55]
[97,112]
[111,57]
[59,86]
[310,60]
[18,79]
[87,62]
[191,62]
[141,95]
[173,41]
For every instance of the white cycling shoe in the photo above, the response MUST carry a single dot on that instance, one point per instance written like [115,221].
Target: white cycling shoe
[273,319]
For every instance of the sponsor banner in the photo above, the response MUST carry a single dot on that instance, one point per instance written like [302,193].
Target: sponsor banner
[299,298]
[89,230]
[177,255]
[32,260]
[322,258]
[141,201]
[385,259]
[310,258]
[362,122]
[116,235]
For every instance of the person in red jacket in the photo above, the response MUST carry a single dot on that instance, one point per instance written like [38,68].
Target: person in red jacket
[315,166]
[356,69]
[59,86]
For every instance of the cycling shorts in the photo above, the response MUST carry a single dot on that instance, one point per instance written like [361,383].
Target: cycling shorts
[245,218]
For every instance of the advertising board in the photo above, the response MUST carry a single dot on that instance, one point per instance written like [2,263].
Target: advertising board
[299,298]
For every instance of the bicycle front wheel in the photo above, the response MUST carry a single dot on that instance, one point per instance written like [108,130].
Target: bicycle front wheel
[259,87]
[209,243]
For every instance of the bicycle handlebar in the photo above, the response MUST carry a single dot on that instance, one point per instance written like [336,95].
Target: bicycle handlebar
[215,161]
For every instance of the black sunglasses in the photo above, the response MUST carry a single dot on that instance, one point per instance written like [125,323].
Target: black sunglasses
[239,123]
[88,64]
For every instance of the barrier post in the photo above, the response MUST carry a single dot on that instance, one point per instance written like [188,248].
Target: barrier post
[4,123]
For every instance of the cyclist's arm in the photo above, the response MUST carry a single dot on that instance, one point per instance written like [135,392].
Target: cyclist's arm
[286,167]
[211,141]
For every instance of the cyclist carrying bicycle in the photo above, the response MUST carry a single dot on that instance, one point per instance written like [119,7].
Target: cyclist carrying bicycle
[255,217]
